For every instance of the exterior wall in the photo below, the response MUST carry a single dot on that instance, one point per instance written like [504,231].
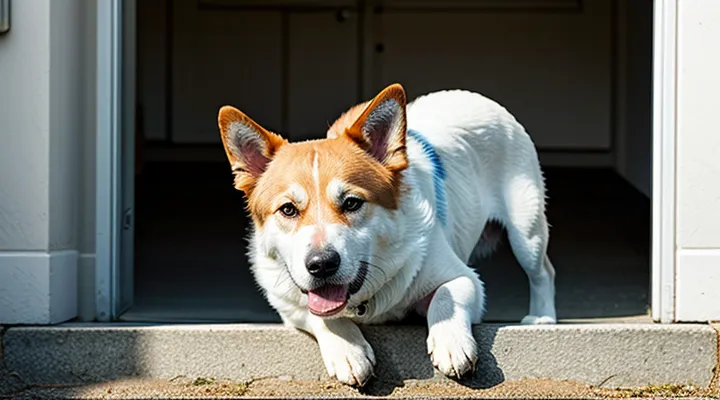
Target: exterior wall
[698,164]
[25,116]
[47,180]
[43,75]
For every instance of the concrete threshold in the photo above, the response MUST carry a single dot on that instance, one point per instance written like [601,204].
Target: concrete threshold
[597,355]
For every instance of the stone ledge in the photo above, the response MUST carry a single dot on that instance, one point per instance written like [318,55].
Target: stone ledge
[622,355]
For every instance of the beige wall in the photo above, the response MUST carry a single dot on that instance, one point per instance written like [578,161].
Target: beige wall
[43,126]
[698,163]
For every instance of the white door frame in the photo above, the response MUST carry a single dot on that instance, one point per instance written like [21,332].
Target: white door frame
[664,149]
[116,29]
[108,196]
[108,159]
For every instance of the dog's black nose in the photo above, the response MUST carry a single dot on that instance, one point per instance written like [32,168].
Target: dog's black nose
[322,263]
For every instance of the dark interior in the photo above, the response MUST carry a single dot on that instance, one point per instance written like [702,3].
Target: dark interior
[191,263]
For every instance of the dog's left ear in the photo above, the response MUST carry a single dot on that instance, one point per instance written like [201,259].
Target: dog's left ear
[381,128]
[249,146]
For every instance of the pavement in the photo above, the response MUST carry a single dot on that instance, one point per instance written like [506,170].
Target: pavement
[283,388]
[229,360]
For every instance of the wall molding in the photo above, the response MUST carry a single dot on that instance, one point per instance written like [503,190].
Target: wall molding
[697,283]
[38,287]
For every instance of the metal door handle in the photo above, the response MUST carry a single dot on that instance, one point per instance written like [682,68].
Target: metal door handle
[127,219]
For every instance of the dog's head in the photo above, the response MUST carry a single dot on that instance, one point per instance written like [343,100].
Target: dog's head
[324,208]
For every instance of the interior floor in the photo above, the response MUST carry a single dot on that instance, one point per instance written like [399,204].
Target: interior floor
[191,266]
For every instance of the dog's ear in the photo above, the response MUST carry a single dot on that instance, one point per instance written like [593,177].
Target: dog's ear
[381,128]
[249,146]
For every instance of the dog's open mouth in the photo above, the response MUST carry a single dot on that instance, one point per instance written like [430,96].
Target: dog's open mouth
[328,300]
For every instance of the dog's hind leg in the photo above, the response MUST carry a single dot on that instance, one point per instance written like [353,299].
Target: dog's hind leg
[528,234]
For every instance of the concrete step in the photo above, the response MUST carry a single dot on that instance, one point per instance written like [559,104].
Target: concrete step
[599,355]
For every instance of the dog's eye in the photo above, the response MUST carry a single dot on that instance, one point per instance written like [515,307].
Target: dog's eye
[288,210]
[352,204]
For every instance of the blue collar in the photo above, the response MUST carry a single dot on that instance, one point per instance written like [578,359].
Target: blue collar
[438,174]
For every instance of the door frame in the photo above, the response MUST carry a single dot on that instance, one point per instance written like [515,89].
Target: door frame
[110,179]
[665,27]
[114,180]
[107,157]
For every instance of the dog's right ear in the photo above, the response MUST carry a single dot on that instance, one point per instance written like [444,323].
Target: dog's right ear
[381,128]
[249,146]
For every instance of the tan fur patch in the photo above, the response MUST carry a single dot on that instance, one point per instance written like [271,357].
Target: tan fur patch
[337,159]
[396,157]
[346,120]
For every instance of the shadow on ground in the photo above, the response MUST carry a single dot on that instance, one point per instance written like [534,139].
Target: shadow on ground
[395,366]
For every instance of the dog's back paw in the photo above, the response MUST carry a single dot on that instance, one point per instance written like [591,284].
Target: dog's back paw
[535,320]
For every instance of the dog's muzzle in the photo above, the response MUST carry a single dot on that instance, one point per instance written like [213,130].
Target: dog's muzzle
[331,299]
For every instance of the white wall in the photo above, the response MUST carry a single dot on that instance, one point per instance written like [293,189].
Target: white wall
[86,225]
[66,108]
[42,77]
[698,165]
[24,128]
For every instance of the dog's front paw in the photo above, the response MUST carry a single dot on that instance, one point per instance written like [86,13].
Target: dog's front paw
[452,349]
[535,320]
[350,363]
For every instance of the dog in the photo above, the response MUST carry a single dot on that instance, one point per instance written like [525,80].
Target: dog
[380,219]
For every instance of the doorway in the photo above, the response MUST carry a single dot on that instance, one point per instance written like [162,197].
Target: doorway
[576,73]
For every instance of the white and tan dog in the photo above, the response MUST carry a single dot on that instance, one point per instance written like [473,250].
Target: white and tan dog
[381,218]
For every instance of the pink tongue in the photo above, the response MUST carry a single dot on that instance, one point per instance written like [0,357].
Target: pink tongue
[327,299]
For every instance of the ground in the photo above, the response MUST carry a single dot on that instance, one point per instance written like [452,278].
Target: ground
[284,388]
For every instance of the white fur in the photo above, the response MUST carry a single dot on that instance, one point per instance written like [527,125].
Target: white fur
[492,174]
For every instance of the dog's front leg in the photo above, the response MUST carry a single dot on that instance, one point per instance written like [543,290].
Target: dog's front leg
[345,352]
[455,306]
